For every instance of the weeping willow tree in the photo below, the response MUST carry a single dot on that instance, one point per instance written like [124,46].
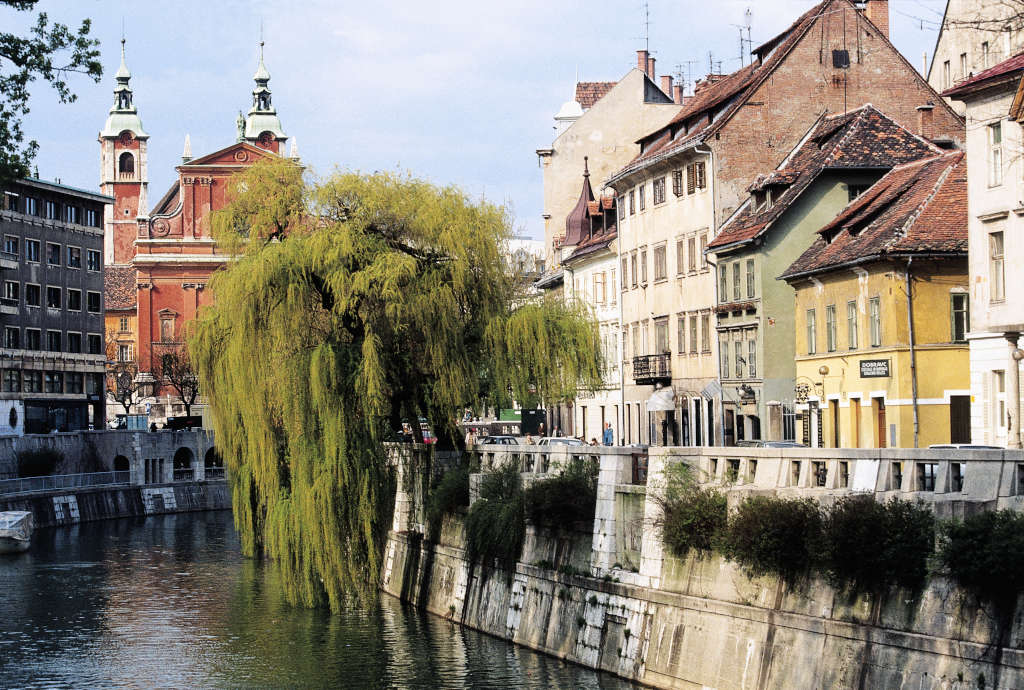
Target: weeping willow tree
[352,303]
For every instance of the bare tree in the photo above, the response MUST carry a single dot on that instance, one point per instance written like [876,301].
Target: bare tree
[180,375]
[123,386]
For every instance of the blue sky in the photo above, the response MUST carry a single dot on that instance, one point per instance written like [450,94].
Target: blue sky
[453,91]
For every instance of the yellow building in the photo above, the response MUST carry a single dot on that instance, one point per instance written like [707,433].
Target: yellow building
[870,374]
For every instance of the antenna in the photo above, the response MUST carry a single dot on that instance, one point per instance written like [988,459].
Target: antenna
[647,28]
[746,44]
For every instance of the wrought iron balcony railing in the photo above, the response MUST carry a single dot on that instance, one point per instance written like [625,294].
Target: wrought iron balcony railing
[648,369]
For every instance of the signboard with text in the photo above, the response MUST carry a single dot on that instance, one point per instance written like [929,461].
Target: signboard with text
[874,368]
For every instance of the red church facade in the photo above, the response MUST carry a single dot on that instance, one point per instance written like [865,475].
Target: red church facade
[169,251]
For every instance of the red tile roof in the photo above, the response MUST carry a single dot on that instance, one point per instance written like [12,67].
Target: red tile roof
[590,92]
[119,287]
[859,139]
[1004,68]
[919,208]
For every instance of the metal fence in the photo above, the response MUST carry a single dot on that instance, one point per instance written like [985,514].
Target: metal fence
[64,481]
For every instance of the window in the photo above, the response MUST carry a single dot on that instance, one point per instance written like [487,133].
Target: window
[875,314]
[632,202]
[94,384]
[11,245]
[658,191]
[660,263]
[31,295]
[52,254]
[75,342]
[695,177]
[640,193]
[31,206]
[995,154]
[692,242]
[95,343]
[74,300]
[996,273]
[960,318]
[53,341]
[625,343]
[723,349]
[74,382]
[636,276]
[51,210]
[750,278]
[738,345]
[32,381]
[12,337]
[93,259]
[611,289]
[124,353]
[841,59]
[677,182]
[963,65]
[855,190]
[681,333]
[74,257]
[93,302]
[636,340]
[703,251]
[830,327]
[736,280]
[661,344]
[723,283]
[680,256]
[851,324]
[705,333]
[126,163]
[625,272]
[811,333]
[54,382]
[91,218]
[33,338]
[984,55]
[788,422]
[12,293]
[12,381]
[600,291]
[693,334]
[752,354]
[32,250]
[53,297]
[643,267]
[71,214]
[946,78]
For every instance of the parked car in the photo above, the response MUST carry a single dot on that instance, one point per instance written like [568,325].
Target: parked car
[498,441]
[560,441]
[760,443]
[178,423]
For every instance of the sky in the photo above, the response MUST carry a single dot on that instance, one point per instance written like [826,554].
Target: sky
[454,91]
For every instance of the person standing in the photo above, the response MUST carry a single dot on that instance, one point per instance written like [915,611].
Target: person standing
[608,438]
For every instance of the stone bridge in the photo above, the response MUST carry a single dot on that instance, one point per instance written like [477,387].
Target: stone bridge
[151,457]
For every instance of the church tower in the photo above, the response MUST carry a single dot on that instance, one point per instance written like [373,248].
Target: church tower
[261,127]
[123,171]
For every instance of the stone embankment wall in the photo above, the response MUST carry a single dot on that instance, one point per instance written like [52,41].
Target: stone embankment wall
[102,503]
[701,622]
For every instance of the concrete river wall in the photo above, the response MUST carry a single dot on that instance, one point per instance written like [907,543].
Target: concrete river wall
[642,614]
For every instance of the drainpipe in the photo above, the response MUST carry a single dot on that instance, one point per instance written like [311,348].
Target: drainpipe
[710,175]
[913,353]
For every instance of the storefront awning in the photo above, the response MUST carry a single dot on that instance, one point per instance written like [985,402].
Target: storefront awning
[662,400]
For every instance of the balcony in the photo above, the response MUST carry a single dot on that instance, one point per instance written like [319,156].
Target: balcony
[9,261]
[8,305]
[652,369]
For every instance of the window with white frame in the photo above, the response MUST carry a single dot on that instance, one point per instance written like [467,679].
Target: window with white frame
[830,327]
[995,154]
[996,272]
[875,315]
[851,324]
[812,345]
[959,317]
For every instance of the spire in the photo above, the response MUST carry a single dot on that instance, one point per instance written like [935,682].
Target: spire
[186,154]
[577,224]
[294,153]
[122,71]
[123,114]
[262,126]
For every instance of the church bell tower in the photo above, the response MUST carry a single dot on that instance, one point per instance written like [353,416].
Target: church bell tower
[261,127]
[123,171]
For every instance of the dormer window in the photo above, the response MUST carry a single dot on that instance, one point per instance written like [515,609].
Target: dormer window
[763,199]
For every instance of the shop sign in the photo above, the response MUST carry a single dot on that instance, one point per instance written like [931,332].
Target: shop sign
[874,368]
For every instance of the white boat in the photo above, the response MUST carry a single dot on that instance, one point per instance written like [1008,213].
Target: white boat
[15,531]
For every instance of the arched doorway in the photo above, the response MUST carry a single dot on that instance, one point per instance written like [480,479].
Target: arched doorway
[213,464]
[183,471]
[122,464]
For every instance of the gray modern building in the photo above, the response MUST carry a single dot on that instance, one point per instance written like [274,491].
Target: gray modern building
[51,308]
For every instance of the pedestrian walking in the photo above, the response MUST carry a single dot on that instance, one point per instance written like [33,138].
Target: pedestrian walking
[607,437]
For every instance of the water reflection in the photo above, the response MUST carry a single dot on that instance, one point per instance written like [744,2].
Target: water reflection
[168,601]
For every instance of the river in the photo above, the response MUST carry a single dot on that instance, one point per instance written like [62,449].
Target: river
[168,601]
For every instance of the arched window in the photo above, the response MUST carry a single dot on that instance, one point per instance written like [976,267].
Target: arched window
[126,163]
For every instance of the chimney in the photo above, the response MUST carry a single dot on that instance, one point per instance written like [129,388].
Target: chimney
[666,84]
[641,60]
[679,94]
[924,120]
[878,12]
[650,68]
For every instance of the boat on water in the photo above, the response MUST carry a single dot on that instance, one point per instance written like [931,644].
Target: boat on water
[15,531]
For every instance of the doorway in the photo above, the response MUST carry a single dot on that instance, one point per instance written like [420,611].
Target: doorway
[879,408]
[833,408]
[959,419]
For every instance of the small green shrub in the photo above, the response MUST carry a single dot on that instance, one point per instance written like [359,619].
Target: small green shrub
[495,527]
[451,493]
[593,600]
[984,554]
[869,546]
[581,621]
[544,563]
[564,499]
[38,463]
[692,516]
[776,536]
[568,569]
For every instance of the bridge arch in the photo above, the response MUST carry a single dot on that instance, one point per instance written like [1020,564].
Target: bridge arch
[183,458]
[122,464]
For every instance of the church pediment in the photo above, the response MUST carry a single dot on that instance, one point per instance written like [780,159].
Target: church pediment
[241,153]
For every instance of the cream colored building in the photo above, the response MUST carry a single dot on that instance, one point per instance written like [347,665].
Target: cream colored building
[975,35]
[995,188]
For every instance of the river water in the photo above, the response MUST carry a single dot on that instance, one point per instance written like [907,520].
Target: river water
[168,601]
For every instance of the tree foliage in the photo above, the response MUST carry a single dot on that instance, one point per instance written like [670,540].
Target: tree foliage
[777,536]
[692,516]
[354,302]
[496,523]
[984,554]
[51,52]
[569,497]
